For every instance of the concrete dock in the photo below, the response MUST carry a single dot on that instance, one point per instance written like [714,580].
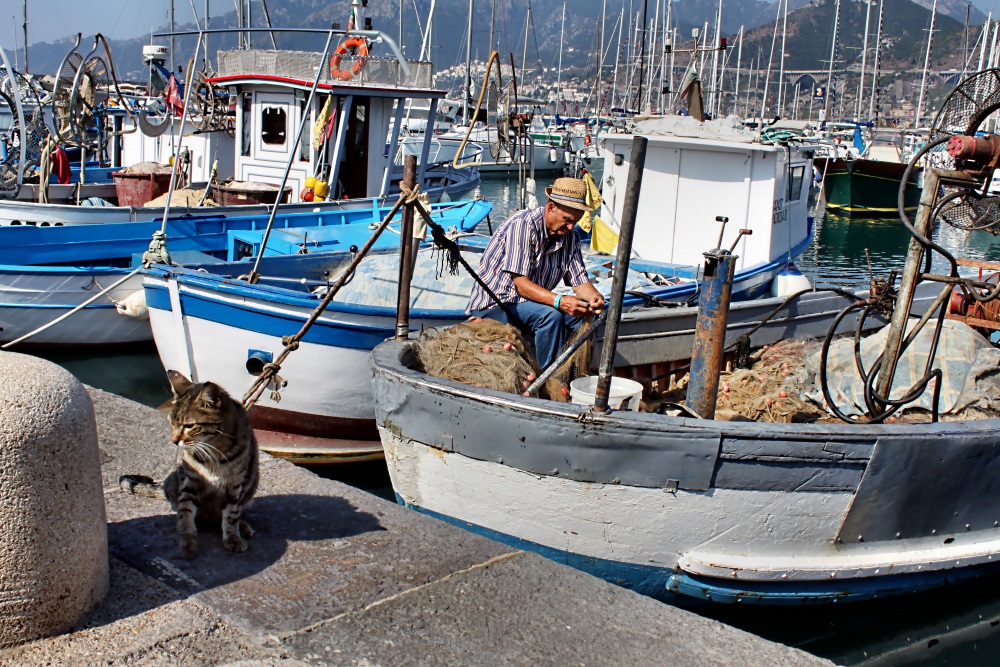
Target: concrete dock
[337,576]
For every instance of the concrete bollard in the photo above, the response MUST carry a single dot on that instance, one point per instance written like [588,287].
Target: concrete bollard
[53,530]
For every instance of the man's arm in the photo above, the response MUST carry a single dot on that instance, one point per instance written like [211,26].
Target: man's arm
[534,292]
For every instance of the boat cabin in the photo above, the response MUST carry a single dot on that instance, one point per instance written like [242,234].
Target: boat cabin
[359,103]
[690,184]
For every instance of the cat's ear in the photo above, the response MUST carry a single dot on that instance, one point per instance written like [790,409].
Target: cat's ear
[178,383]
[211,395]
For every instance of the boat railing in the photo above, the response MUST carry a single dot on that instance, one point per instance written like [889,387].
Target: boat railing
[301,65]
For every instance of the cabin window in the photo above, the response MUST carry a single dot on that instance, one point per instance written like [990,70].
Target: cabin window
[795,182]
[245,133]
[272,125]
[305,141]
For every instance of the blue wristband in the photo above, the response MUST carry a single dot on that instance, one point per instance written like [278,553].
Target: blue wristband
[555,304]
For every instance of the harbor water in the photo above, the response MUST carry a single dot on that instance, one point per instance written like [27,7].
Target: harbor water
[956,626]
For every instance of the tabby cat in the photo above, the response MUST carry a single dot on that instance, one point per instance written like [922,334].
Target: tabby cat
[217,464]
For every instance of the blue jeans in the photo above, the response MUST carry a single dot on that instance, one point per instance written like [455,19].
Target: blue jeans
[548,326]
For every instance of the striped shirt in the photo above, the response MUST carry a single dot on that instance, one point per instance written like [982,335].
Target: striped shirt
[522,246]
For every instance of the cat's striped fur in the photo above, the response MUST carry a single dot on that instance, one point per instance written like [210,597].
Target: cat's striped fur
[217,464]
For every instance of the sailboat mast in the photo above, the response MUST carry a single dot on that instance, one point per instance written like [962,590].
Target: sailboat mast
[878,59]
[524,53]
[666,36]
[598,103]
[864,57]
[739,61]
[652,57]
[493,20]
[986,36]
[468,68]
[781,66]
[715,59]
[927,62]
[770,59]
[562,30]
[618,53]
[833,54]
[26,69]
[642,57]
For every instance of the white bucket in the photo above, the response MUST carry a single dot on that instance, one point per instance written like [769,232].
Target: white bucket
[624,394]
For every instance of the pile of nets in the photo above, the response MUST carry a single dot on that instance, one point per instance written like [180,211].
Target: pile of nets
[487,354]
[771,389]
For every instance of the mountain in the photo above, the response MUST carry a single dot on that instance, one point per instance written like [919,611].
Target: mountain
[809,30]
[904,29]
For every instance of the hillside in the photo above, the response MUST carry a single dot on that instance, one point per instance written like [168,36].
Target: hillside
[809,30]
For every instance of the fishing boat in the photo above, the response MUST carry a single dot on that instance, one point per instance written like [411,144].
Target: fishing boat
[758,187]
[684,505]
[251,136]
[49,272]
[867,186]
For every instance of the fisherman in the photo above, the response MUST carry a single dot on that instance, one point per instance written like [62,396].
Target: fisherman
[531,253]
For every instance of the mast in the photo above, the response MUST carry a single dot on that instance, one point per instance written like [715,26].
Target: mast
[642,57]
[715,58]
[878,57]
[667,34]
[864,56]
[559,71]
[986,36]
[468,68]
[524,54]
[833,53]
[493,20]
[770,59]
[618,53]
[781,66]
[172,68]
[425,46]
[927,61]
[600,68]
[739,61]
[400,25]
[652,57]
[25,36]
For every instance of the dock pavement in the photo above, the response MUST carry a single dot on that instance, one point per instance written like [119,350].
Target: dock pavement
[337,576]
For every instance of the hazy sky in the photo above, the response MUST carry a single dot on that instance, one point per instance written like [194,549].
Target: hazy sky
[52,19]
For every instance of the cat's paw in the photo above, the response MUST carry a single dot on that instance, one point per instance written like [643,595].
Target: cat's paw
[127,483]
[189,546]
[246,530]
[235,543]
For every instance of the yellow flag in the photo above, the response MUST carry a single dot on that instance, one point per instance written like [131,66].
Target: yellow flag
[319,127]
[594,200]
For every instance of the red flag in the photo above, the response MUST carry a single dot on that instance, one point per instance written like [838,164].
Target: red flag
[174,99]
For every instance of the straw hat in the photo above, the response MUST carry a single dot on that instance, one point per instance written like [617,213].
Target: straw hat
[569,192]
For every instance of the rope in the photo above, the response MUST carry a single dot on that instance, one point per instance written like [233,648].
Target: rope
[455,258]
[74,310]
[269,375]
[45,170]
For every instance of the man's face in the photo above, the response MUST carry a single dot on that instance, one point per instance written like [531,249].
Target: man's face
[560,220]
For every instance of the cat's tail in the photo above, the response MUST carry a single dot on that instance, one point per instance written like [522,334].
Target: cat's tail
[140,485]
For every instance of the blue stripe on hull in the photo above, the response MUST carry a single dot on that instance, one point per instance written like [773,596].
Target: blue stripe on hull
[642,579]
[247,318]
[672,586]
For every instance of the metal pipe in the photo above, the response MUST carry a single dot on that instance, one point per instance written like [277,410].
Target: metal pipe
[710,332]
[407,247]
[631,204]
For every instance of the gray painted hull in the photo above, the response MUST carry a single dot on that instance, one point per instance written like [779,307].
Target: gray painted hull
[726,511]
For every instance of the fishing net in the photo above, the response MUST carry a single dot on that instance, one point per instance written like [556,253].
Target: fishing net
[488,354]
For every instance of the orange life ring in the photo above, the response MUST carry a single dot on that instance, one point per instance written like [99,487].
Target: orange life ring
[360,46]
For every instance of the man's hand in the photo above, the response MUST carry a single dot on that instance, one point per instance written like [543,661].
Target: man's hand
[573,306]
[596,304]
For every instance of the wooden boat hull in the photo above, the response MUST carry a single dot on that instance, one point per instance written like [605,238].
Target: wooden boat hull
[868,187]
[719,511]
[44,273]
